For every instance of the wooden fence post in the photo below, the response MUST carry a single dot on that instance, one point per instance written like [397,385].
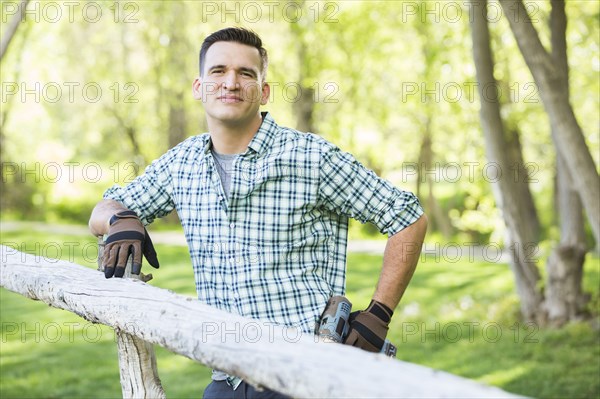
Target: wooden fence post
[137,361]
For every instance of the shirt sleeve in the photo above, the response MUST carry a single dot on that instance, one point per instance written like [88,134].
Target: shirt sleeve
[148,195]
[347,187]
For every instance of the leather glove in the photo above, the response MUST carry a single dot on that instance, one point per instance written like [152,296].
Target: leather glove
[369,327]
[126,236]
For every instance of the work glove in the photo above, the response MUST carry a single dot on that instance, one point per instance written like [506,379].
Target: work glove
[369,327]
[126,236]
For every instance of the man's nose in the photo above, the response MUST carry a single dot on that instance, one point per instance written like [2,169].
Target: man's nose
[230,81]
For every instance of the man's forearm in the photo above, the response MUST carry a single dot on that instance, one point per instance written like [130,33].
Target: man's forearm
[400,259]
[101,215]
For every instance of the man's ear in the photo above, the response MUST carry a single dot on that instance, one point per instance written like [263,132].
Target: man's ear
[266,92]
[197,89]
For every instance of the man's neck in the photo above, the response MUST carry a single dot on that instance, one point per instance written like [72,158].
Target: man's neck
[232,139]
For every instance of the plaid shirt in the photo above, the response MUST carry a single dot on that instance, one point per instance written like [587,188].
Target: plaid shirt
[275,250]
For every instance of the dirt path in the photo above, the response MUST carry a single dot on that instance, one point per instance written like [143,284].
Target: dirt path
[449,252]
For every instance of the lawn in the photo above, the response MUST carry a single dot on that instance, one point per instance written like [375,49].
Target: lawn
[460,317]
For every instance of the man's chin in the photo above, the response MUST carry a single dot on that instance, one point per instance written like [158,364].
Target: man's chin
[232,119]
[233,116]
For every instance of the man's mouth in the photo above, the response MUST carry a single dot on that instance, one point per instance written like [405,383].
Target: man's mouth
[230,98]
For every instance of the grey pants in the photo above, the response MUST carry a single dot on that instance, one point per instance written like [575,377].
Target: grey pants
[222,390]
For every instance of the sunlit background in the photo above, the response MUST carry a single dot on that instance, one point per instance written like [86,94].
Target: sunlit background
[93,91]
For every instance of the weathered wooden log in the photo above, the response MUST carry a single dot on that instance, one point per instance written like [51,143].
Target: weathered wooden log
[137,361]
[262,353]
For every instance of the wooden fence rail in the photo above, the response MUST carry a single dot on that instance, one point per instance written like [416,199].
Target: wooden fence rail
[263,354]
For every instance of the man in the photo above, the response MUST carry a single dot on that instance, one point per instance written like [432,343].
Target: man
[264,209]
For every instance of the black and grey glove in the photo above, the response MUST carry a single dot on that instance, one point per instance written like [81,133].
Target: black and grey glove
[127,236]
[368,328]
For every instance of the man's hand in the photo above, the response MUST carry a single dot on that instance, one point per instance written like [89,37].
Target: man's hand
[369,327]
[127,236]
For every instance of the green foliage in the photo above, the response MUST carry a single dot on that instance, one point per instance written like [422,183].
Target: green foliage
[380,85]
[459,317]
[385,75]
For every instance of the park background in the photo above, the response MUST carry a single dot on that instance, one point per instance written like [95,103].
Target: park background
[93,91]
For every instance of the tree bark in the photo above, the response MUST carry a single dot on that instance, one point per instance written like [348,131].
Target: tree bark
[565,299]
[521,178]
[567,132]
[505,191]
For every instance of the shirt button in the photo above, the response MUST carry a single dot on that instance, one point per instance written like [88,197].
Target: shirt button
[232,260]
[232,225]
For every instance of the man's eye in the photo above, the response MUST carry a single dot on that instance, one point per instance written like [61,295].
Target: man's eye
[216,71]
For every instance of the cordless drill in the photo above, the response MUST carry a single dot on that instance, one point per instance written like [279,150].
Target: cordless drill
[334,324]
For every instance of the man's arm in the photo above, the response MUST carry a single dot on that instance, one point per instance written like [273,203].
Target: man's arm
[101,214]
[348,188]
[368,328]
[400,259]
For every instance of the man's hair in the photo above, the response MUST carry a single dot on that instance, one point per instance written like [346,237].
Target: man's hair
[238,35]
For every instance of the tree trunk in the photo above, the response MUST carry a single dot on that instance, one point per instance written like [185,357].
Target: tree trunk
[176,93]
[567,133]
[177,119]
[6,105]
[564,296]
[520,170]
[565,299]
[520,177]
[505,191]
[438,218]
[304,103]
[125,118]
[12,27]
[304,108]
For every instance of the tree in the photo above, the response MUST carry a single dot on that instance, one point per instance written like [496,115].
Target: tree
[16,194]
[305,104]
[506,191]
[437,217]
[567,134]
[177,92]
[12,27]
[564,297]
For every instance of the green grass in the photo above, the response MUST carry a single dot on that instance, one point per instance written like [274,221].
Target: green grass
[458,317]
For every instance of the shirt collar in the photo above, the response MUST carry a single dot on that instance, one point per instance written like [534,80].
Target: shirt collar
[265,134]
[261,140]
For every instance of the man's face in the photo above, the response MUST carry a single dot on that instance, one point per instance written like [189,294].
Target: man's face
[231,86]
